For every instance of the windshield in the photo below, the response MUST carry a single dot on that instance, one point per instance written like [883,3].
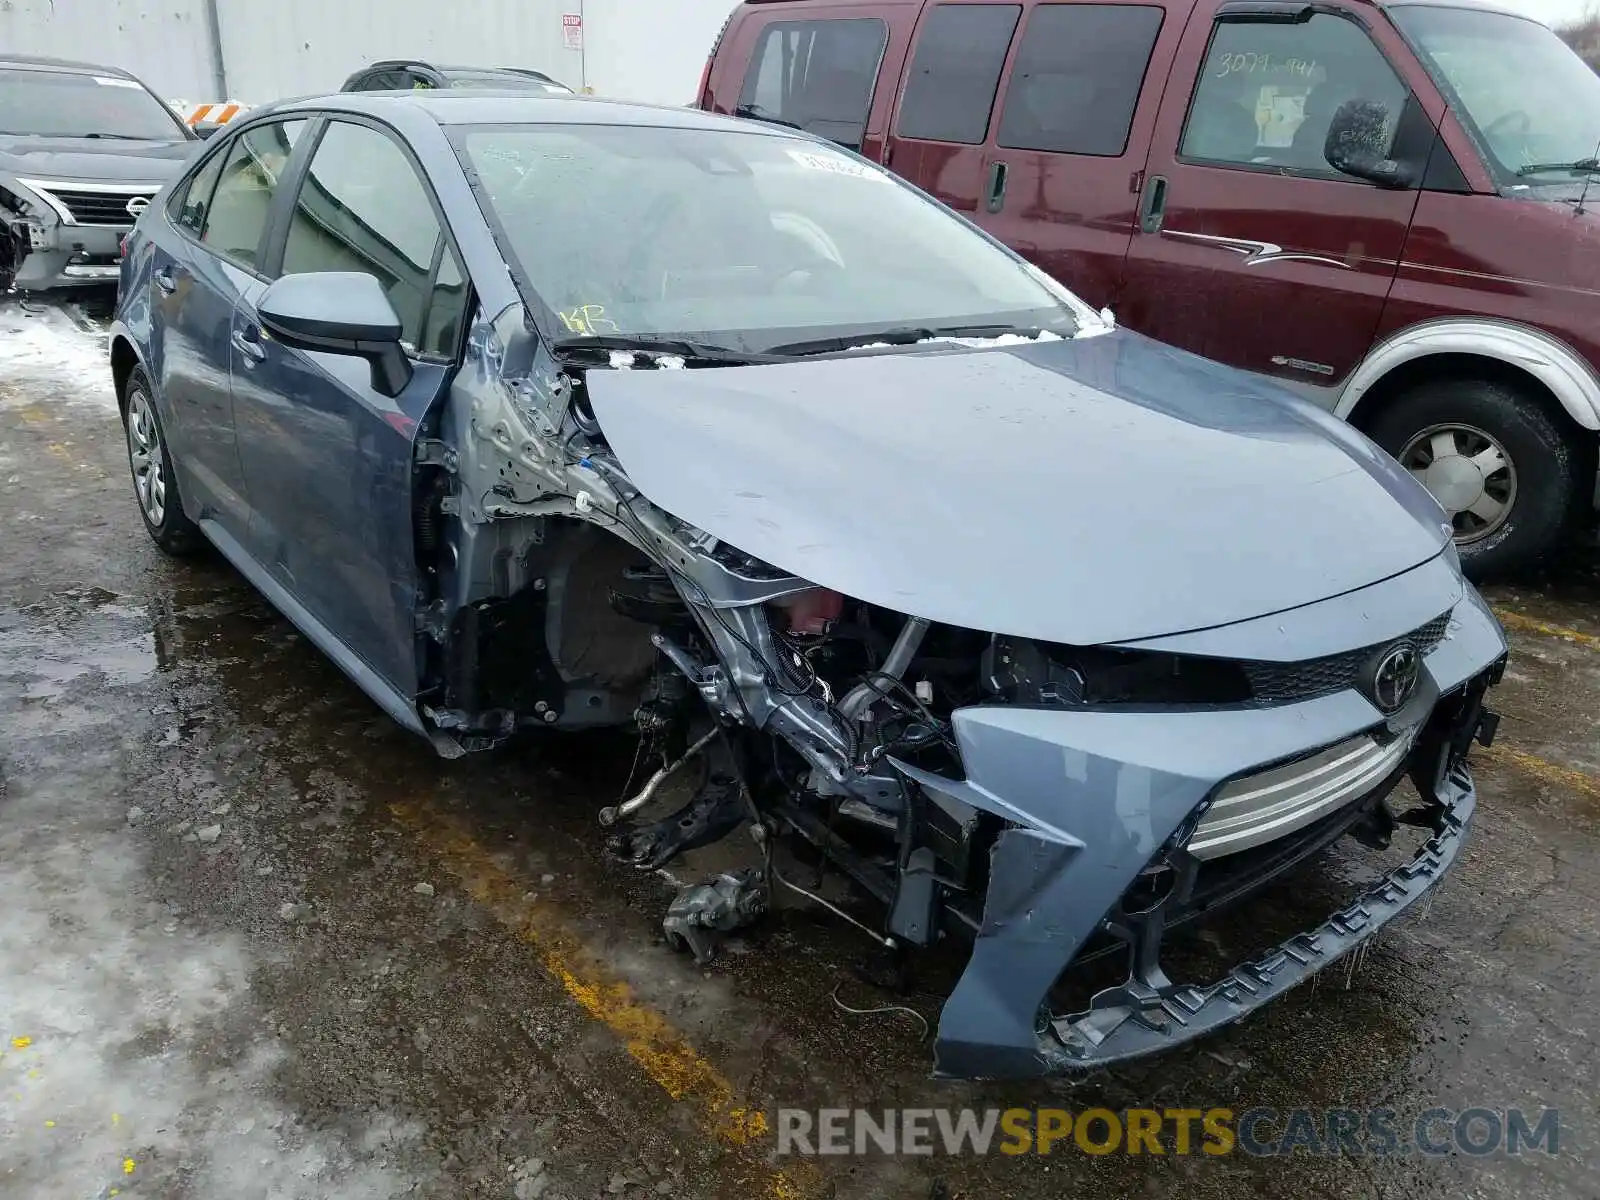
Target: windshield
[68,104]
[748,240]
[1525,98]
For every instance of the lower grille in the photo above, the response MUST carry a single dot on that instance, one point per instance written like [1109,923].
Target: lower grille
[1280,682]
[1273,803]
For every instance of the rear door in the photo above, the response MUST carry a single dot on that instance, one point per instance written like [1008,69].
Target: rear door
[327,458]
[203,263]
[1252,250]
[1077,109]
[947,101]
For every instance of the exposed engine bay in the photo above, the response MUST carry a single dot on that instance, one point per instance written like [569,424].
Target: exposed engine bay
[1039,798]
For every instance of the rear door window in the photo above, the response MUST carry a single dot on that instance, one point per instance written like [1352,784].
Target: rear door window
[1076,78]
[950,90]
[816,75]
[237,215]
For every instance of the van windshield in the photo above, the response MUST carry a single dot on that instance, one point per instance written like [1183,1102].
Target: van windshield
[748,240]
[1528,101]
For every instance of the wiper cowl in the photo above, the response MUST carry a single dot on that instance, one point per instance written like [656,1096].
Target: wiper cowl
[689,351]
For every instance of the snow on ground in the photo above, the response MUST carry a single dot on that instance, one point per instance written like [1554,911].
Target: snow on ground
[47,356]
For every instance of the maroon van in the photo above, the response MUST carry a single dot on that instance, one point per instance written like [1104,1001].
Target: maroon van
[1388,207]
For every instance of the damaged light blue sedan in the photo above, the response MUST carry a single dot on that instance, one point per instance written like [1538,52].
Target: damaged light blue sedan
[557,413]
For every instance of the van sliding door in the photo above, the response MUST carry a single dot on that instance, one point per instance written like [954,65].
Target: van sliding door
[942,124]
[1065,161]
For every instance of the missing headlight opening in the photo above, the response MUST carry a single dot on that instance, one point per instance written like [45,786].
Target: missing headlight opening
[1040,802]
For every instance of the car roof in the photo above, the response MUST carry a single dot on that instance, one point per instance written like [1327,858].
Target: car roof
[32,62]
[515,106]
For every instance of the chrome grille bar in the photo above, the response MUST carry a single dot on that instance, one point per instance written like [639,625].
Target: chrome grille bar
[1273,803]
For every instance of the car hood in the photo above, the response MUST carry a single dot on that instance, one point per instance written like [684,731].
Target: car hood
[94,160]
[1099,490]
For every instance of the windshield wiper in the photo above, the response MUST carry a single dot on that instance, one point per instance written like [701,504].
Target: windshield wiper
[754,112]
[902,335]
[697,352]
[1582,166]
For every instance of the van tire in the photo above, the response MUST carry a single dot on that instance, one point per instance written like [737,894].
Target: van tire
[1543,461]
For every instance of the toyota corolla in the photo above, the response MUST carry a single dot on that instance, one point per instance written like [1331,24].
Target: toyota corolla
[546,414]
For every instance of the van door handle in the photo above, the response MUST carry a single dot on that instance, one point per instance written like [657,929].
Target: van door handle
[1153,208]
[248,346]
[165,281]
[994,195]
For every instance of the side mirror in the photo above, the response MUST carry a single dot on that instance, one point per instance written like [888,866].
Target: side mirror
[1357,144]
[339,312]
[205,129]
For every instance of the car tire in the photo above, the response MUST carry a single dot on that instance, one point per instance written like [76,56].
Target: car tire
[155,482]
[1513,489]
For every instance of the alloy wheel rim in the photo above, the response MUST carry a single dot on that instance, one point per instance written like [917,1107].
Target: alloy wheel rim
[1468,472]
[146,460]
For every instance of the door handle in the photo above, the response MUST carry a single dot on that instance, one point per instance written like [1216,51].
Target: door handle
[165,281]
[248,346]
[994,193]
[1153,208]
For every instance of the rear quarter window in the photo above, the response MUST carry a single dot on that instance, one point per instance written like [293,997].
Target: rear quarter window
[815,75]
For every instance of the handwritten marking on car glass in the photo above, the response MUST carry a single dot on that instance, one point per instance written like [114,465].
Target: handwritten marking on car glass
[836,163]
[1248,62]
[588,319]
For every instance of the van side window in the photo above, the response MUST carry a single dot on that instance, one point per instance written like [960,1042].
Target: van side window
[950,92]
[815,75]
[1076,78]
[1268,92]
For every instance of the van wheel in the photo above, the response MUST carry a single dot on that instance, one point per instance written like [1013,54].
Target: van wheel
[1502,469]
[155,483]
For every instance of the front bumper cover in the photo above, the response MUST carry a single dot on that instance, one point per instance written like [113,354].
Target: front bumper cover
[1093,797]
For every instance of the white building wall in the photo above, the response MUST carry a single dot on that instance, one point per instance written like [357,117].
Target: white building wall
[650,50]
[164,42]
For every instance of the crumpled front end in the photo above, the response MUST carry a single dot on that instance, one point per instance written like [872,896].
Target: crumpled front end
[1126,823]
[60,233]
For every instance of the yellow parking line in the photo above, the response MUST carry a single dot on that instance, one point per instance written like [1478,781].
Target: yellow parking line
[1543,770]
[665,1055]
[1526,624]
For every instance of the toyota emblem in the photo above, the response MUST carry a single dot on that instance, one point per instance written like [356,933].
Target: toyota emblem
[137,205]
[1395,676]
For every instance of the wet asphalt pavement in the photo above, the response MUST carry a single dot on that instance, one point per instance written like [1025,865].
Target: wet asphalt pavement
[256,942]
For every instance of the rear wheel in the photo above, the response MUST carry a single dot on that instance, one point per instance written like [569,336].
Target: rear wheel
[155,484]
[1504,471]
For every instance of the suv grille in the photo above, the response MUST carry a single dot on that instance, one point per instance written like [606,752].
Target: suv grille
[1320,676]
